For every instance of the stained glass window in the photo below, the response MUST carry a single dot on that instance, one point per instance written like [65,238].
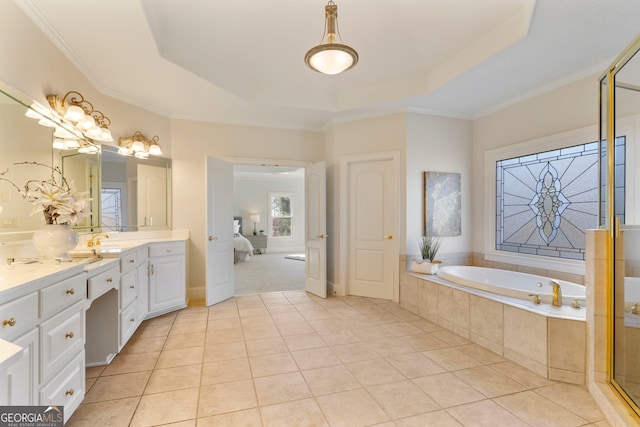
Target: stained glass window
[546,201]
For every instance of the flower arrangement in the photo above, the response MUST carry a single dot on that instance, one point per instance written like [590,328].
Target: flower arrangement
[54,197]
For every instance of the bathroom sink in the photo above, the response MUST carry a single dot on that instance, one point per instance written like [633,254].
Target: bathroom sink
[111,251]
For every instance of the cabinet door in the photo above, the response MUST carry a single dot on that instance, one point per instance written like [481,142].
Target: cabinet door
[166,284]
[21,386]
[143,291]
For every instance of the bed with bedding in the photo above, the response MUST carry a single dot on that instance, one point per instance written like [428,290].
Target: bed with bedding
[242,247]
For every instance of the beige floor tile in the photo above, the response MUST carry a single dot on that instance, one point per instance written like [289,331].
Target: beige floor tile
[300,413]
[180,357]
[94,371]
[447,390]
[331,379]
[272,364]
[425,325]
[281,388]
[253,311]
[165,319]
[88,383]
[367,333]
[315,358]
[290,316]
[391,346]
[315,313]
[423,342]
[452,359]
[260,331]
[351,408]
[188,328]
[304,341]
[260,320]
[228,313]
[415,365]
[227,397]
[187,423]
[184,341]
[576,399]
[126,363]
[109,413]
[226,371]
[117,387]
[451,338]
[151,331]
[401,329]
[248,301]
[226,351]
[372,372]
[168,407]
[264,346]
[537,410]
[481,354]
[436,418]
[281,309]
[171,379]
[522,375]
[489,382]
[485,413]
[402,399]
[295,328]
[226,323]
[144,345]
[221,336]
[192,314]
[246,418]
[337,337]
[356,352]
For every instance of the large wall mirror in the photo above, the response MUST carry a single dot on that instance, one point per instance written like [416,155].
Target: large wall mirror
[128,194]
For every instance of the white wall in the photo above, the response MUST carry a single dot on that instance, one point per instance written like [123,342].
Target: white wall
[437,144]
[251,195]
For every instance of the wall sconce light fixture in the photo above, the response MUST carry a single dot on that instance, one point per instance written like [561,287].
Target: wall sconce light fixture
[139,146]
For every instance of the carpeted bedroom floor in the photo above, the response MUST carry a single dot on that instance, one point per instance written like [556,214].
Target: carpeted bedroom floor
[269,273]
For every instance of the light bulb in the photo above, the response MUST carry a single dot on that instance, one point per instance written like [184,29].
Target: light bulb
[155,150]
[74,113]
[59,144]
[86,122]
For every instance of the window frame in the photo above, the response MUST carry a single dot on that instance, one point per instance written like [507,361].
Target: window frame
[270,227]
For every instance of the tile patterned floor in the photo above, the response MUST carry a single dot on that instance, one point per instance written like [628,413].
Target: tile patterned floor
[291,359]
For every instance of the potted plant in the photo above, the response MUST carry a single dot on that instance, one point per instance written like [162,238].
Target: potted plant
[429,246]
[261,232]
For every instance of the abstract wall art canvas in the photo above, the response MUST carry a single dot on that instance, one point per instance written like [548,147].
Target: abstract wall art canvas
[442,200]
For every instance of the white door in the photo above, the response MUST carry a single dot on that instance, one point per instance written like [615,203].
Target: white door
[219,252]
[315,280]
[373,225]
[152,197]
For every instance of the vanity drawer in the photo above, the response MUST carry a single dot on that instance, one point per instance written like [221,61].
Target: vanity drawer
[128,288]
[128,323]
[101,283]
[18,316]
[56,297]
[164,249]
[131,259]
[61,337]
[67,387]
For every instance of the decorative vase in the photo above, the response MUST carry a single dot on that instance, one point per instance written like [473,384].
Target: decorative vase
[424,266]
[54,241]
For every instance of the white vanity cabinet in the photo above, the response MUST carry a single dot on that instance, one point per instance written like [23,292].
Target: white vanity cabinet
[167,277]
[132,285]
[47,321]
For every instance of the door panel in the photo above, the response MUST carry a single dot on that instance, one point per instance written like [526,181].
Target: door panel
[219,253]
[152,197]
[372,224]
[315,229]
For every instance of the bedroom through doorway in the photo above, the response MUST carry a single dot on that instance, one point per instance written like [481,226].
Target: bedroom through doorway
[269,228]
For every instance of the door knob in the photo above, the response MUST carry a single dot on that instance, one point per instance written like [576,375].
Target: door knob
[322,236]
[212,238]
[388,237]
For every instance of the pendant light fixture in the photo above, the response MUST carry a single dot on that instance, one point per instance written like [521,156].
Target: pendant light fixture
[329,57]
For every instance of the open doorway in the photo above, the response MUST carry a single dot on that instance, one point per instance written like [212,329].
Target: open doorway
[269,208]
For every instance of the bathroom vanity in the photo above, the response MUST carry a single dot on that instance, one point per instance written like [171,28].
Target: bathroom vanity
[57,318]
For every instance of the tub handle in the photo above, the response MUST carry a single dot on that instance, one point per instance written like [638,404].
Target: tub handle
[536,298]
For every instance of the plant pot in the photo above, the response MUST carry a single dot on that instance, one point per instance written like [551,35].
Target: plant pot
[424,266]
[54,241]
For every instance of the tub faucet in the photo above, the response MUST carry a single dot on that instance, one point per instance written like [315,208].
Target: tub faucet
[557,293]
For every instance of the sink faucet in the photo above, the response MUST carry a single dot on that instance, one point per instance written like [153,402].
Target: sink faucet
[95,239]
[557,293]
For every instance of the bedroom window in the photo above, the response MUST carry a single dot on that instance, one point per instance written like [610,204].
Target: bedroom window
[281,215]
[545,201]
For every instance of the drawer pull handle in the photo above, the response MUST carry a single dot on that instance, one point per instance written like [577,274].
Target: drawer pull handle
[132,320]
[168,250]
[131,261]
[109,280]
[10,322]
[70,291]
[69,392]
[69,335]
[132,287]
